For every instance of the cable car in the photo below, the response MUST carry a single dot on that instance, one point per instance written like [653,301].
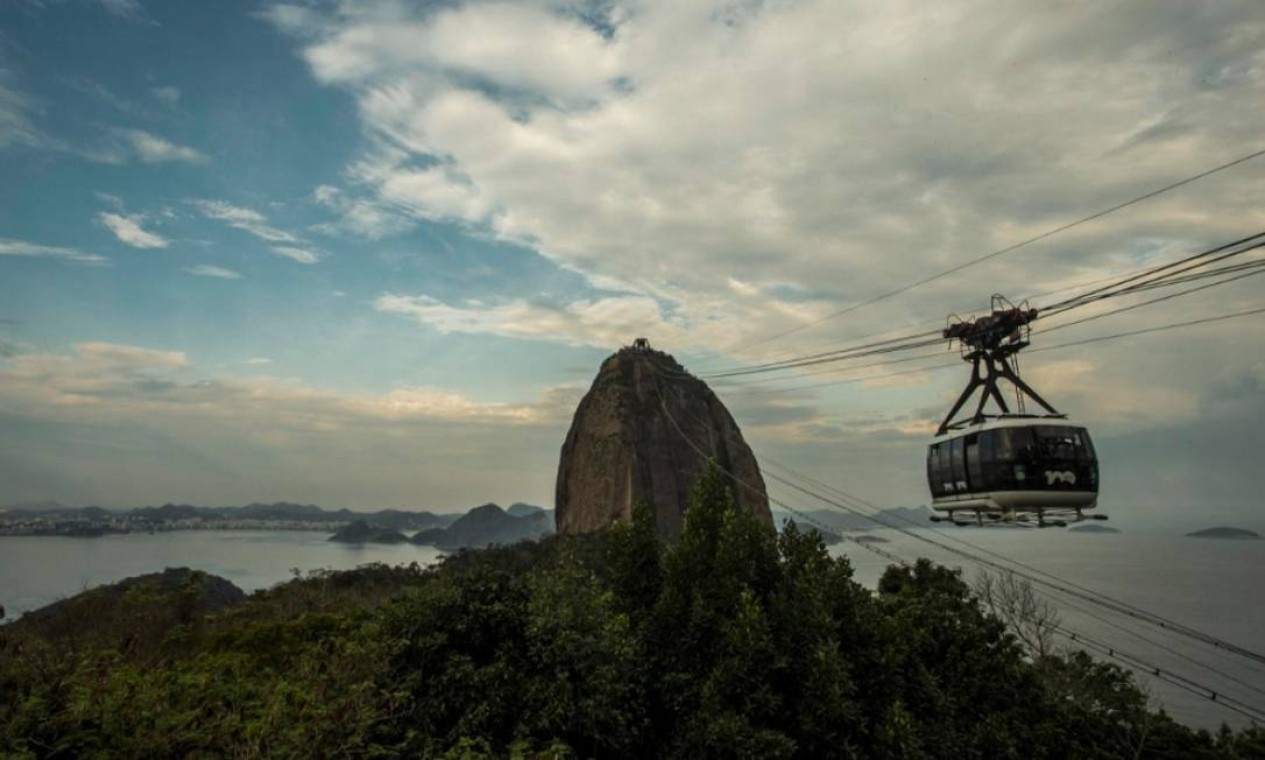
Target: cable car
[1008,466]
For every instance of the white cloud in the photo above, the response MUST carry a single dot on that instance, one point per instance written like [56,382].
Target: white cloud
[207,270]
[153,149]
[120,382]
[110,199]
[841,150]
[130,9]
[358,216]
[285,243]
[9,247]
[101,355]
[516,45]
[245,219]
[301,255]
[15,115]
[258,360]
[128,229]
[151,427]
[167,94]
[603,322]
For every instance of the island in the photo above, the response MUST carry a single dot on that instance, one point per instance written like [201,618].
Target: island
[1223,532]
[361,532]
[1093,528]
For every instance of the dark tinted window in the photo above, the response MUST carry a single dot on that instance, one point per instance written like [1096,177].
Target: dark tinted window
[974,475]
[1013,444]
[1060,443]
[957,465]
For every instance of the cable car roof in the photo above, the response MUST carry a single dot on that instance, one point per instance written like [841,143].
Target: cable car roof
[1008,421]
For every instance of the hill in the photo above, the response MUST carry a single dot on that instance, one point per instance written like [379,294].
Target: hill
[1223,532]
[1092,528]
[489,524]
[361,532]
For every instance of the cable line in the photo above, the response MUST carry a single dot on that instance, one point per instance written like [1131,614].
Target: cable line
[1258,268]
[1160,276]
[1133,661]
[1057,583]
[1014,247]
[954,365]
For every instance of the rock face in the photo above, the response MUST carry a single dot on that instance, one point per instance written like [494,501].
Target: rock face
[637,436]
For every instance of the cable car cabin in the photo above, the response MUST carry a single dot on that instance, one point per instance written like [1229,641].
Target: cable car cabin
[1014,468]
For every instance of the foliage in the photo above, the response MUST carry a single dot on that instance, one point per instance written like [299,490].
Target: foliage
[731,641]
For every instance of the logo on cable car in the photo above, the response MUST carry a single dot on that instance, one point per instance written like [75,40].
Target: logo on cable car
[1054,476]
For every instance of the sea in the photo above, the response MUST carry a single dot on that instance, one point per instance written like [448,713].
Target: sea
[1214,585]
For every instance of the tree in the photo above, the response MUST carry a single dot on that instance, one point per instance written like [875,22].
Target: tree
[1032,619]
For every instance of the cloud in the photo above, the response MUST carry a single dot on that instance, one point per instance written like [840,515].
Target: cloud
[882,145]
[167,94]
[110,199]
[496,42]
[245,219]
[16,127]
[106,381]
[128,230]
[358,216]
[207,270]
[136,425]
[130,9]
[113,355]
[9,247]
[152,149]
[286,244]
[601,322]
[258,360]
[301,255]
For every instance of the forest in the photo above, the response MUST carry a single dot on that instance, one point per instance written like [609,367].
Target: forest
[730,641]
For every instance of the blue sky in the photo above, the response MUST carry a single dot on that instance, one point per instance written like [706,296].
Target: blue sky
[371,253]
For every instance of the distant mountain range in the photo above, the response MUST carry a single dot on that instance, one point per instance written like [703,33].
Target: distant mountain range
[285,512]
[483,525]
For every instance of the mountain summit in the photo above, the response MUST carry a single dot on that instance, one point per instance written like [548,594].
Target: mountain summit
[645,432]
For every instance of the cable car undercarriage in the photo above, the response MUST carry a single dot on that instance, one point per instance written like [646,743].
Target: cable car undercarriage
[1007,467]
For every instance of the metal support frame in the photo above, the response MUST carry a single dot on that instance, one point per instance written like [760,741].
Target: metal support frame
[989,342]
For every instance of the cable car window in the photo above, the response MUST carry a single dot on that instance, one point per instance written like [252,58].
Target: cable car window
[988,459]
[1010,443]
[957,465]
[1059,443]
[933,469]
[1020,443]
[974,474]
[1087,446]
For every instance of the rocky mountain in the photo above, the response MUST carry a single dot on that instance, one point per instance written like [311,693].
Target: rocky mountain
[489,524]
[644,432]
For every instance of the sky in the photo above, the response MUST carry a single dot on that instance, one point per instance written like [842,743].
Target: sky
[370,254]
